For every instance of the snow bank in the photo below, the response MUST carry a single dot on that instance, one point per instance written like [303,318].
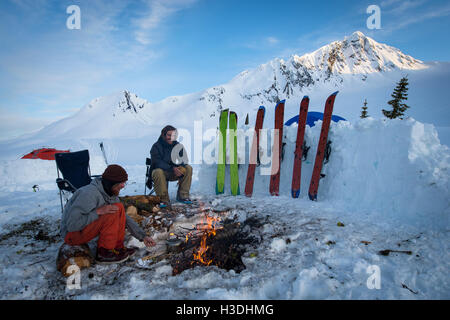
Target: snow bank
[23,174]
[395,170]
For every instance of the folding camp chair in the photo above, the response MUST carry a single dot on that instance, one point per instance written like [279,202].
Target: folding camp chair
[148,178]
[75,170]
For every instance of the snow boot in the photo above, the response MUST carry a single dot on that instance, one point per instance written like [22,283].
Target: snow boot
[110,256]
[129,251]
[184,200]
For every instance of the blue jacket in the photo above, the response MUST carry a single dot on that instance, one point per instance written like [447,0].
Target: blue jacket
[161,154]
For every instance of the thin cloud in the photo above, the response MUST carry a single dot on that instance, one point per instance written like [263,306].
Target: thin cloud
[404,6]
[79,65]
[272,40]
[260,43]
[431,14]
[407,14]
[388,3]
[155,18]
[31,5]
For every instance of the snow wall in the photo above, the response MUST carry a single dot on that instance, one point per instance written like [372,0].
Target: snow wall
[394,169]
[385,168]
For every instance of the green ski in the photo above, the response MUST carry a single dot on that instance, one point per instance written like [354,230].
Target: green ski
[223,124]
[234,173]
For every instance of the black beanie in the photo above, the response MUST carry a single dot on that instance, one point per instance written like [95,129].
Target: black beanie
[115,173]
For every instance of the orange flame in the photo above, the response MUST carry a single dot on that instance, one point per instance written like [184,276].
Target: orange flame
[209,228]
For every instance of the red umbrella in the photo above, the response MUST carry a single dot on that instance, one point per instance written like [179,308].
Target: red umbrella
[43,153]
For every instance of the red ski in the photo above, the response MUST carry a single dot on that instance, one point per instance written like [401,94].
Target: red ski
[314,186]
[277,150]
[297,172]
[254,159]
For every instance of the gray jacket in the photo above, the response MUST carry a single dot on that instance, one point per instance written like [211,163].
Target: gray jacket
[80,210]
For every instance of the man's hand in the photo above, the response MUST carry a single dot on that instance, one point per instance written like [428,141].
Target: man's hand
[177,172]
[107,209]
[149,242]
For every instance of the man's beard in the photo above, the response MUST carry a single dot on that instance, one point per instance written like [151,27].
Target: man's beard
[108,186]
[115,191]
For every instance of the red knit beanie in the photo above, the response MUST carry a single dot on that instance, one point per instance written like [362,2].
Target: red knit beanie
[115,173]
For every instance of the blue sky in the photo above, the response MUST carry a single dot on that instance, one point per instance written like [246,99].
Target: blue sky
[160,48]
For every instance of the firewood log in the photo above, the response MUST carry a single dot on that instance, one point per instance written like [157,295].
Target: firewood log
[73,255]
[144,204]
[132,212]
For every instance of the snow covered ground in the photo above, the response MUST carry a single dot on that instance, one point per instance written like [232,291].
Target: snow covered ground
[386,188]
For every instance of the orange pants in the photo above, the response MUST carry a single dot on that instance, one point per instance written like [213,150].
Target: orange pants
[109,227]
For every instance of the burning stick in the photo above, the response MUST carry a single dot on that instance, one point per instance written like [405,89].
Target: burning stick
[208,228]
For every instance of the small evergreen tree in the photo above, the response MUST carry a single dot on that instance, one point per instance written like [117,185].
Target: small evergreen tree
[364,113]
[399,94]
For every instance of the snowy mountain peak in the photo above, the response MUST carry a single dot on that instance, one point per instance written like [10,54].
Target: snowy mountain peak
[357,54]
[357,35]
[119,102]
[114,115]
[131,102]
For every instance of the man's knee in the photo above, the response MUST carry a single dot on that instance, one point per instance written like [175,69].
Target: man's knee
[188,170]
[158,174]
[106,219]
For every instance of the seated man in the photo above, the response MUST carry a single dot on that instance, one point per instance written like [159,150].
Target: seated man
[164,167]
[95,210]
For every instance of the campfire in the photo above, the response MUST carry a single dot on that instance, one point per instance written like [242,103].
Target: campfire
[198,236]
[216,240]
[208,228]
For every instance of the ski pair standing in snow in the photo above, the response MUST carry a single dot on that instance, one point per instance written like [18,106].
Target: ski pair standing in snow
[234,174]
[164,168]
[299,150]
[321,148]
[276,151]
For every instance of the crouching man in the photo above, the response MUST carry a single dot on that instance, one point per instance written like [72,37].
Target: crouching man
[95,210]
[165,153]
